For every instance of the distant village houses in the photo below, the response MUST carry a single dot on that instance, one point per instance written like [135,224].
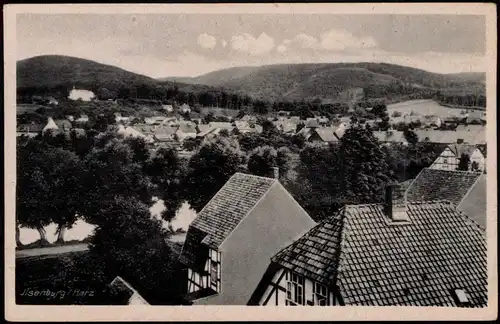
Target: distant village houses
[450,158]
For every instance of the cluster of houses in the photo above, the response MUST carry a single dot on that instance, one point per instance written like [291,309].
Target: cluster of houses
[424,246]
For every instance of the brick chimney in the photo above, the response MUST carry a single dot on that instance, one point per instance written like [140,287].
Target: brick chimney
[276,172]
[396,208]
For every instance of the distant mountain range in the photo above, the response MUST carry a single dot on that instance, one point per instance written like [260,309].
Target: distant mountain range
[57,71]
[283,81]
[325,80]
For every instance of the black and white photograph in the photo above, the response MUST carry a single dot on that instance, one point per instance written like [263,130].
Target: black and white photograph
[276,158]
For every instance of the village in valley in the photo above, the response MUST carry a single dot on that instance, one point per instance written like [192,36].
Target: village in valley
[133,190]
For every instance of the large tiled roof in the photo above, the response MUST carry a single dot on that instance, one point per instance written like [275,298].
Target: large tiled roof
[416,264]
[222,214]
[435,184]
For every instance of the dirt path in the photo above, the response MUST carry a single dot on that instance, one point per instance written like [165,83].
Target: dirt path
[51,250]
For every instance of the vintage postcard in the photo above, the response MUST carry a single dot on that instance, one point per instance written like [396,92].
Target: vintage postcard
[210,160]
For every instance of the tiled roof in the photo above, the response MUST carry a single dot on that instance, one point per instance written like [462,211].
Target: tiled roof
[472,134]
[63,124]
[247,126]
[225,125]
[437,136]
[435,184]
[390,136]
[326,134]
[222,214]
[285,126]
[373,263]
[459,149]
[33,127]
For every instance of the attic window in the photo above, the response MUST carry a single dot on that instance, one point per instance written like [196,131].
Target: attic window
[406,291]
[425,277]
[461,296]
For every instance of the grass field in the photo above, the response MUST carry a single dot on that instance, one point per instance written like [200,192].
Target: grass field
[423,108]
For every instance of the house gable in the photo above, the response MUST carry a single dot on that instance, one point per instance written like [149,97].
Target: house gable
[272,224]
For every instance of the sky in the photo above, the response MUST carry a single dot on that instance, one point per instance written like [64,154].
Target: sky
[166,45]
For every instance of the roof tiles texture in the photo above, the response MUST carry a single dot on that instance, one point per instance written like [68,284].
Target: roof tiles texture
[222,214]
[373,263]
[435,184]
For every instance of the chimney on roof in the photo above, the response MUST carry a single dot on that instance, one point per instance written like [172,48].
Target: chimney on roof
[276,172]
[396,208]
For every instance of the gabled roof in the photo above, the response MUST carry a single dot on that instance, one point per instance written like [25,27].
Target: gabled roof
[222,214]
[326,134]
[374,263]
[124,287]
[435,184]
[50,124]
[459,149]
[390,136]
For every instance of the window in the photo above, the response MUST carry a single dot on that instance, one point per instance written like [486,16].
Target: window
[214,269]
[295,290]
[320,294]
[213,273]
[445,161]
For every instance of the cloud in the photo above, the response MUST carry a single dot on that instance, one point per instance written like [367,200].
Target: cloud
[246,43]
[338,39]
[207,41]
[306,41]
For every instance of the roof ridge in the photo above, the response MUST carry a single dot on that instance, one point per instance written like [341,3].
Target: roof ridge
[253,175]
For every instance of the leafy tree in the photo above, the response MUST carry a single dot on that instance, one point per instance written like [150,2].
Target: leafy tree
[410,136]
[464,162]
[241,113]
[209,169]
[113,170]
[130,243]
[209,118]
[363,168]
[48,187]
[167,172]
[264,158]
